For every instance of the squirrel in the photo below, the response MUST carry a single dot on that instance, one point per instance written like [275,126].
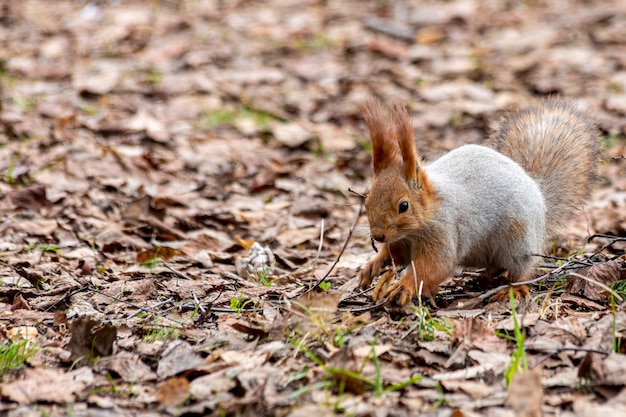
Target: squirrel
[477,206]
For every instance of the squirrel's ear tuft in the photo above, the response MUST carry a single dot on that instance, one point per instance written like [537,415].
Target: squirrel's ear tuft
[382,132]
[406,143]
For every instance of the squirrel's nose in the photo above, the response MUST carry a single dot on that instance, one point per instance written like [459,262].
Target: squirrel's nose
[379,237]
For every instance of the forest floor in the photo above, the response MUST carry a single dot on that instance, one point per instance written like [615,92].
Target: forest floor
[178,234]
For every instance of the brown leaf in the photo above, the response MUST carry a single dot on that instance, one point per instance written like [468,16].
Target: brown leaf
[142,211]
[474,389]
[91,339]
[614,369]
[128,366]
[29,333]
[314,311]
[341,361]
[245,243]
[32,197]
[97,79]
[161,252]
[566,331]
[173,391]
[178,356]
[430,35]
[526,394]
[605,273]
[37,227]
[474,332]
[334,139]
[48,385]
[295,237]
[291,135]
[143,207]
[524,320]
[154,128]
[252,331]
[389,48]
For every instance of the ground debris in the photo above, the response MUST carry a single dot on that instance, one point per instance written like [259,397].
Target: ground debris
[179,179]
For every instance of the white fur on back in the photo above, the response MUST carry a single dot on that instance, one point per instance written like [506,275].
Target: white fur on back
[483,192]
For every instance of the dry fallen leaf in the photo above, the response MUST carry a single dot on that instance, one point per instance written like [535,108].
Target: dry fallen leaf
[38,227]
[127,365]
[29,333]
[91,339]
[32,197]
[526,394]
[125,126]
[48,385]
[161,252]
[605,273]
[173,391]
[344,360]
[177,357]
[475,333]
[295,237]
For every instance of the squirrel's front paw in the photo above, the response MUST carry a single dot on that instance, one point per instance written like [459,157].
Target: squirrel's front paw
[365,277]
[382,287]
[400,294]
[369,271]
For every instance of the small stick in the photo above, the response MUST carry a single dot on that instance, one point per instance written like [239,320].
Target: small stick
[149,310]
[614,239]
[362,309]
[520,283]
[345,244]
[558,258]
[195,299]
[363,196]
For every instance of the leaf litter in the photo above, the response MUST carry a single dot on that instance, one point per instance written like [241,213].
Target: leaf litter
[175,194]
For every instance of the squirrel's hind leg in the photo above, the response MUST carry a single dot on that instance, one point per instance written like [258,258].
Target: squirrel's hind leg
[514,254]
[520,270]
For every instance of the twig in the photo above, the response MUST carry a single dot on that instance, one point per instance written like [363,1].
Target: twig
[345,244]
[520,283]
[614,239]
[66,297]
[362,309]
[180,274]
[195,299]
[319,248]
[358,194]
[119,300]
[576,349]
[559,258]
[390,28]
[149,310]
[566,348]
[358,294]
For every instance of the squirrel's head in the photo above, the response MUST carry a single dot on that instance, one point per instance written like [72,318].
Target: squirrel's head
[401,195]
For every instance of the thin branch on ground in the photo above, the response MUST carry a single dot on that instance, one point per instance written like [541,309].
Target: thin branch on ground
[520,283]
[343,248]
[614,239]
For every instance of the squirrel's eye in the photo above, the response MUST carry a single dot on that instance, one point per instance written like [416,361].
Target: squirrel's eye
[404,206]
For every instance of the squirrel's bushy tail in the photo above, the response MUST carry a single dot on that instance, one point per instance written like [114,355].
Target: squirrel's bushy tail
[558,145]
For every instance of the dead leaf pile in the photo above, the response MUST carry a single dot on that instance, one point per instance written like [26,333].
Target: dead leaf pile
[175,197]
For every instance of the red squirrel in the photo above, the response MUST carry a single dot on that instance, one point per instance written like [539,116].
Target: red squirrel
[476,206]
